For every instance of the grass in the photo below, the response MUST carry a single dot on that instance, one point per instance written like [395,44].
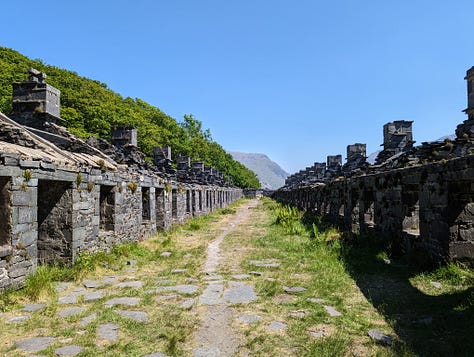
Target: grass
[360,279]
[169,327]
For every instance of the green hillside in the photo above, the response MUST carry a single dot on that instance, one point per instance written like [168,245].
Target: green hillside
[91,109]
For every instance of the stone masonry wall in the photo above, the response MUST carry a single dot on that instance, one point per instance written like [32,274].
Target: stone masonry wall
[71,217]
[426,208]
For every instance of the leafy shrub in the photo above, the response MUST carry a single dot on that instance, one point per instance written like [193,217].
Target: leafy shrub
[289,218]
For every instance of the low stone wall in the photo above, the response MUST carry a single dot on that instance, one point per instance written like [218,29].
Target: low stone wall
[425,207]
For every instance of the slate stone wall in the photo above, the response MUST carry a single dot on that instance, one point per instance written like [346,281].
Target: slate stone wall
[426,208]
[54,215]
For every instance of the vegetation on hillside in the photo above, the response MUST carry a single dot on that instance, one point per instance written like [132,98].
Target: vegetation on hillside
[91,109]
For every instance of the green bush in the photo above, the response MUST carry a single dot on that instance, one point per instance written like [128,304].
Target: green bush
[289,218]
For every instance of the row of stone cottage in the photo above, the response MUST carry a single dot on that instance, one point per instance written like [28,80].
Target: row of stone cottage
[60,196]
[421,198]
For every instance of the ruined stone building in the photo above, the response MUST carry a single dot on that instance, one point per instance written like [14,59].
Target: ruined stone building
[421,198]
[60,195]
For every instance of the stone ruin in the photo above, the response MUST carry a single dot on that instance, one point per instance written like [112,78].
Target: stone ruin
[60,195]
[419,197]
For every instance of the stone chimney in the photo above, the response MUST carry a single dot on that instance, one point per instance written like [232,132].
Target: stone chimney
[198,166]
[397,137]
[184,162]
[161,155]
[466,129]
[124,136]
[34,101]
[334,162]
[356,157]
[320,169]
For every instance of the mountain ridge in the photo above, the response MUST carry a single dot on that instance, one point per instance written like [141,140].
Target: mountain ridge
[270,174]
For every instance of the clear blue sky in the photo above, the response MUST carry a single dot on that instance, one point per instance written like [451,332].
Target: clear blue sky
[296,80]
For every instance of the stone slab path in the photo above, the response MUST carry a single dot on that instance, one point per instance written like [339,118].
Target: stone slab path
[215,336]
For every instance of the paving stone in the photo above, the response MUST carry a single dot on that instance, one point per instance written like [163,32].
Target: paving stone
[79,291]
[210,296]
[191,280]
[300,314]
[18,319]
[270,279]
[87,320]
[265,263]
[213,276]
[317,334]
[316,300]
[127,301]
[284,298]
[294,289]
[157,354]
[108,332]
[380,337]
[166,254]
[93,296]
[35,344]
[258,273]
[131,284]
[277,326]
[206,352]
[332,311]
[187,256]
[240,295]
[62,286]
[132,262]
[110,279]
[33,307]
[69,311]
[71,350]
[178,271]
[68,299]
[130,270]
[92,284]
[188,304]
[249,319]
[183,289]
[139,316]
[164,282]
[234,284]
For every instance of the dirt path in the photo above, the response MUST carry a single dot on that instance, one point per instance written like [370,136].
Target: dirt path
[215,336]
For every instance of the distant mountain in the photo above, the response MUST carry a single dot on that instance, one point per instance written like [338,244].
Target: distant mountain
[270,174]
[371,158]
[450,137]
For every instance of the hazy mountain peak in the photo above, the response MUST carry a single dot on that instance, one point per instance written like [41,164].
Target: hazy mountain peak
[270,174]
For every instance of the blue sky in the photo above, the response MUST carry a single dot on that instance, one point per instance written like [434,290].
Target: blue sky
[296,80]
